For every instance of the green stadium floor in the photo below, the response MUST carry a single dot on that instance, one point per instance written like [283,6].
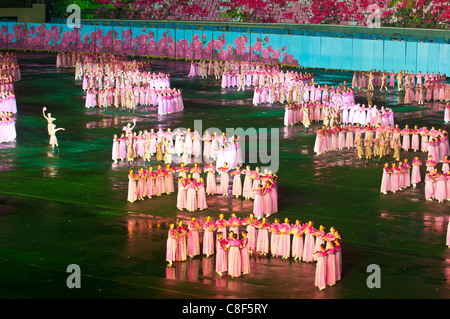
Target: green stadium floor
[70,207]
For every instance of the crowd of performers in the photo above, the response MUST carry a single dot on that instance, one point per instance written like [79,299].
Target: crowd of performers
[9,72]
[8,102]
[237,239]
[163,145]
[378,142]
[121,84]
[418,87]
[193,188]
[69,59]
[221,69]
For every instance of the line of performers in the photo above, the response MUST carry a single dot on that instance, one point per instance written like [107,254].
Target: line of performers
[383,79]
[303,89]
[262,78]
[193,188]
[184,144]
[217,68]
[331,114]
[168,100]
[9,71]
[377,142]
[403,175]
[233,245]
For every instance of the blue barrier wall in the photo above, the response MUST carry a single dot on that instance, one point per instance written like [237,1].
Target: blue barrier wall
[245,44]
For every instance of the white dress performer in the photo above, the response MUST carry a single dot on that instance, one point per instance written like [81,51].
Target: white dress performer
[49,119]
[53,140]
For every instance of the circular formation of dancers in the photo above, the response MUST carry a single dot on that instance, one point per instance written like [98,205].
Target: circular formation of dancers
[237,239]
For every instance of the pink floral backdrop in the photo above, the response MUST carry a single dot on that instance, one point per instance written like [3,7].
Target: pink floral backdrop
[154,42]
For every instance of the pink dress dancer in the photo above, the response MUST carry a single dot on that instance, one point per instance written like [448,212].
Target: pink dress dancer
[234,258]
[284,245]
[221,227]
[237,184]
[297,240]
[441,188]
[245,256]
[191,197]
[308,249]
[258,204]
[247,188]
[181,196]
[262,243]
[211,187]
[386,179]
[250,222]
[321,269]
[201,196]
[209,228]
[132,186]
[331,266]
[171,247]
[337,249]
[221,258]
[193,239]
[224,181]
[181,243]
[429,191]
[274,238]
[415,174]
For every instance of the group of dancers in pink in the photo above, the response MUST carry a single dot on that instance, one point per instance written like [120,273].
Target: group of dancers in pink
[9,70]
[237,239]
[8,102]
[193,188]
[7,127]
[219,68]
[295,88]
[185,144]
[119,83]
[417,87]
[69,59]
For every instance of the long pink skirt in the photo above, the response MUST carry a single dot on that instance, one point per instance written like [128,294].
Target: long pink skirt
[321,274]
[193,243]
[245,260]
[211,187]
[201,199]
[191,200]
[251,236]
[262,245]
[331,269]
[415,175]
[234,262]
[208,242]
[221,260]
[284,245]
[258,206]
[171,249]
[308,249]
[441,190]
[297,246]
[274,241]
